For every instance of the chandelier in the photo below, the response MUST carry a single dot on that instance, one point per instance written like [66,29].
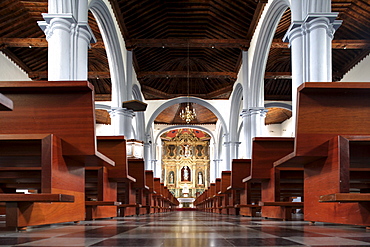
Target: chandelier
[186,114]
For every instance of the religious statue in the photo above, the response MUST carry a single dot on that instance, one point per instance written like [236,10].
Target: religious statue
[186,173]
[200,178]
[171,178]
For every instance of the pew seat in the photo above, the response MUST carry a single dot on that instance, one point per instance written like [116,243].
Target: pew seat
[286,208]
[92,208]
[248,209]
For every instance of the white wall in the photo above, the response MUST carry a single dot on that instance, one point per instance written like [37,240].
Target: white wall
[11,72]
[360,73]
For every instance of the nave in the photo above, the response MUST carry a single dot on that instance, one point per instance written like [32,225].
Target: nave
[187,228]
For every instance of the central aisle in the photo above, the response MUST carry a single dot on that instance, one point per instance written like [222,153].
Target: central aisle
[192,229]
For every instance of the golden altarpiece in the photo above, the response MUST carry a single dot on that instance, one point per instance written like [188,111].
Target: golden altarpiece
[185,162]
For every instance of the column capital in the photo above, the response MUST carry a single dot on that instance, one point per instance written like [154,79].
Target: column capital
[311,22]
[66,22]
[254,111]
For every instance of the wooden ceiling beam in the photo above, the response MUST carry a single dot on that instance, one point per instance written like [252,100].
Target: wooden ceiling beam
[210,43]
[278,75]
[184,74]
[216,43]
[336,44]
[91,75]
[34,42]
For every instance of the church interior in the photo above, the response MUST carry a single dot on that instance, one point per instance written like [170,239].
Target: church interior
[184,123]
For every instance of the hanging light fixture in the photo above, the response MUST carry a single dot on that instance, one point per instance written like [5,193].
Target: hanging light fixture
[186,114]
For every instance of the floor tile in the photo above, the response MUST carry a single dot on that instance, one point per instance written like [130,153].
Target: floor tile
[188,229]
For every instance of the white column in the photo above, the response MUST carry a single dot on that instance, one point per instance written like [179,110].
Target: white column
[227,152]
[234,150]
[310,42]
[121,119]
[295,37]
[69,36]
[217,172]
[247,132]
[147,157]
[320,29]
[254,118]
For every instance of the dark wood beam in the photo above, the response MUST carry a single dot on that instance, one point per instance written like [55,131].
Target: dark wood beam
[278,75]
[34,42]
[336,44]
[205,43]
[184,74]
[91,75]
[223,93]
[216,43]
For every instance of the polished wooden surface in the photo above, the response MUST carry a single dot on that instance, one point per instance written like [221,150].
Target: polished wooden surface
[61,114]
[7,197]
[346,197]
[332,144]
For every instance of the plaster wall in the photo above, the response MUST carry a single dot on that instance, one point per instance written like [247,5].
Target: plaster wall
[11,72]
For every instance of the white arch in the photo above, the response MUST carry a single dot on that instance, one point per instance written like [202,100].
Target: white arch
[184,127]
[140,118]
[262,47]
[184,100]
[113,48]
[236,101]
[279,105]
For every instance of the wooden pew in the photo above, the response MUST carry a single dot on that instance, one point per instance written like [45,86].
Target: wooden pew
[332,141]
[115,148]
[239,170]
[55,120]
[149,181]
[217,197]
[266,150]
[136,169]
[159,205]
[211,193]
[224,197]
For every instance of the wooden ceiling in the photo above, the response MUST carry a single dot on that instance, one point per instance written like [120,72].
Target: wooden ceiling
[184,47]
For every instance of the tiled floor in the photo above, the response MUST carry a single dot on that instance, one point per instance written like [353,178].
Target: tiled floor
[191,229]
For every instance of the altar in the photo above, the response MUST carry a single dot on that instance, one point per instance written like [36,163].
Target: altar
[185,163]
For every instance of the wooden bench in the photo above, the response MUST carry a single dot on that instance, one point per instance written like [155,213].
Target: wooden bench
[240,168]
[158,197]
[118,185]
[149,181]
[331,151]
[55,121]
[264,181]
[136,169]
[223,193]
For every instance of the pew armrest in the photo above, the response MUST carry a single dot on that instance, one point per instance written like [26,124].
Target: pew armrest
[44,197]
[346,197]
[102,203]
[282,204]
[247,206]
